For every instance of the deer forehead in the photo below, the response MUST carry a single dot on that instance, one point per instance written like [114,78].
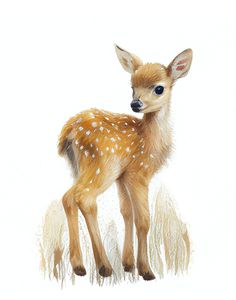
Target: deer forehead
[148,75]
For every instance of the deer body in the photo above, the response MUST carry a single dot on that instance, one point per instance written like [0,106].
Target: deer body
[121,142]
[104,148]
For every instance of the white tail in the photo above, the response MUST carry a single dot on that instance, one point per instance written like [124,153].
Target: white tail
[167,233]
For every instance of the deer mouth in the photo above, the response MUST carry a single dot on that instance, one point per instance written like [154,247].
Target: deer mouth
[136,109]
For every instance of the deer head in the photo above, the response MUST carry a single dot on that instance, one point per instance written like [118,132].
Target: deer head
[152,82]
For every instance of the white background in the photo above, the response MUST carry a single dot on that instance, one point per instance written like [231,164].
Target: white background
[56,59]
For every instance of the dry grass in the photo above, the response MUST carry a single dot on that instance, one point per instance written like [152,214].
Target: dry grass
[169,245]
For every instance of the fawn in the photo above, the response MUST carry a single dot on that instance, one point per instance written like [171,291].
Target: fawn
[104,147]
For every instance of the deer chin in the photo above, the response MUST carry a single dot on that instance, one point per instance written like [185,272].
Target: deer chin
[137,110]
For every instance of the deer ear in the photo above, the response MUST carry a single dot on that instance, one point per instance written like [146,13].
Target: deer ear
[129,62]
[180,66]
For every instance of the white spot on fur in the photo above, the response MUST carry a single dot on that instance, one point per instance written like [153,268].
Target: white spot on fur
[87,189]
[79,120]
[86,153]
[141,163]
[94,124]
[93,155]
[91,145]
[123,131]
[107,148]
[127,149]
[88,132]
[81,128]
[81,147]
[151,156]
[76,142]
[97,140]
[101,128]
[101,153]
[133,121]
[112,139]
[107,118]
[133,156]
[112,150]
[98,171]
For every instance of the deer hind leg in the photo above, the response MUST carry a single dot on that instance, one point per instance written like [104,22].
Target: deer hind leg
[71,210]
[88,206]
[139,197]
[127,213]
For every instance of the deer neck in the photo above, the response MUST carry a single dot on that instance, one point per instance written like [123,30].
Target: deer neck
[156,130]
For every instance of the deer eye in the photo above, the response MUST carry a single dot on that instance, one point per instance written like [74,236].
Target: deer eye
[159,89]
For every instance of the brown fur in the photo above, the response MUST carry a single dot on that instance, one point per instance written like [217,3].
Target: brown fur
[105,148]
[135,159]
[148,75]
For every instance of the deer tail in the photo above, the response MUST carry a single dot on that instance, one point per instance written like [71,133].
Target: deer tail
[168,234]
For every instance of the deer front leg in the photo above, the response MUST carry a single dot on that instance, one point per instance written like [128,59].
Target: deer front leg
[139,198]
[127,213]
[71,210]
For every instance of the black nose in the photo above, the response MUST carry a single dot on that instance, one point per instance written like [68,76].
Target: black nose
[136,105]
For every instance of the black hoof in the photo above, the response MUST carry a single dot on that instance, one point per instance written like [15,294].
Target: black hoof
[105,272]
[128,268]
[80,271]
[148,276]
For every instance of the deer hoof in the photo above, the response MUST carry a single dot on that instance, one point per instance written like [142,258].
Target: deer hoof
[148,276]
[80,271]
[128,268]
[105,272]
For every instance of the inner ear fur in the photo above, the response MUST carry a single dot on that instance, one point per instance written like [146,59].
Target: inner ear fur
[180,65]
[130,62]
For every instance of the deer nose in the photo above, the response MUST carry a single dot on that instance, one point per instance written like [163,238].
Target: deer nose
[136,104]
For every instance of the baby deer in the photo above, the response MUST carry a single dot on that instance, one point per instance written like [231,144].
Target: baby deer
[105,147]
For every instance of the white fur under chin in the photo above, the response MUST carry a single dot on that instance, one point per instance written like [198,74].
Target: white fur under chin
[169,246]
[163,123]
